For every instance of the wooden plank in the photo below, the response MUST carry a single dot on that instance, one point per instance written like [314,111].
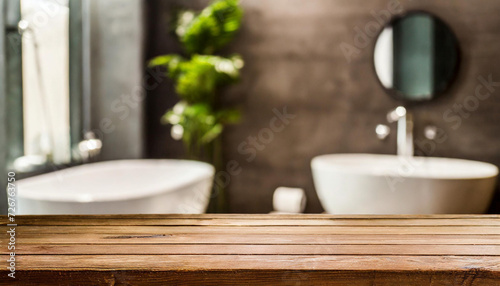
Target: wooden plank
[252,249]
[256,262]
[226,230]
[250,277]
[62,220]
[84,218]
[201,238]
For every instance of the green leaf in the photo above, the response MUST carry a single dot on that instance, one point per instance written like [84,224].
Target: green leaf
[159,61]
[229,116]
[199,121]
[212,133]
[210,30]
[199,78]
[171,62]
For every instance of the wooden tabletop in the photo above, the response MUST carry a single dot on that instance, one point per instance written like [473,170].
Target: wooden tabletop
[254,249]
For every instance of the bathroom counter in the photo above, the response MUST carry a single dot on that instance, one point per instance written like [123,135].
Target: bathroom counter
[246,249]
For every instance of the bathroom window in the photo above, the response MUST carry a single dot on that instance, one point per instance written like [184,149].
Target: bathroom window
[43,84]
[45,71]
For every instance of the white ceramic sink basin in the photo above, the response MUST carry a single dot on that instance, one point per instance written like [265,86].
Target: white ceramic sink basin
[388,184]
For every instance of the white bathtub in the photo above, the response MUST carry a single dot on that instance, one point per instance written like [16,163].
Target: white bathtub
[119,187]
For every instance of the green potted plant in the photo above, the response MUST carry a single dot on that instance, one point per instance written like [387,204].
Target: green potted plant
[199,119]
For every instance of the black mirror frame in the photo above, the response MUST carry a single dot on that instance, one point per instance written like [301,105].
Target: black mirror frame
[396,94]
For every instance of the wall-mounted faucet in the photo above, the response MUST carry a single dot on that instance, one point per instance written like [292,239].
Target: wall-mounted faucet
[89,148]
[404,131]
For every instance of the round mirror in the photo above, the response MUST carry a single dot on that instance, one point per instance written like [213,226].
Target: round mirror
[416,57]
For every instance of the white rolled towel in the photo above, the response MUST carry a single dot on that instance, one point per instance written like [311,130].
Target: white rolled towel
[289,200]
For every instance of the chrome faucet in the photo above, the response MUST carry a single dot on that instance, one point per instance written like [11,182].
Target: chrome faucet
[404,131]
[90,147]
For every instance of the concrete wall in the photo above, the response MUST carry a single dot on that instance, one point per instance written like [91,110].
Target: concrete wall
[294,59]
[11,97]
[3,114]
[117,64]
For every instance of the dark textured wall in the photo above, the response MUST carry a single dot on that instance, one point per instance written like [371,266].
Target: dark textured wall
[294,59]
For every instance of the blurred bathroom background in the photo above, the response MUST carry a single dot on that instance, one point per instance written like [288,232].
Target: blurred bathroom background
[74,71]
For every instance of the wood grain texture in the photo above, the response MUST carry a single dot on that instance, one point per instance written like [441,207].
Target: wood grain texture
[259,219]
[255,249]
[200,238]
